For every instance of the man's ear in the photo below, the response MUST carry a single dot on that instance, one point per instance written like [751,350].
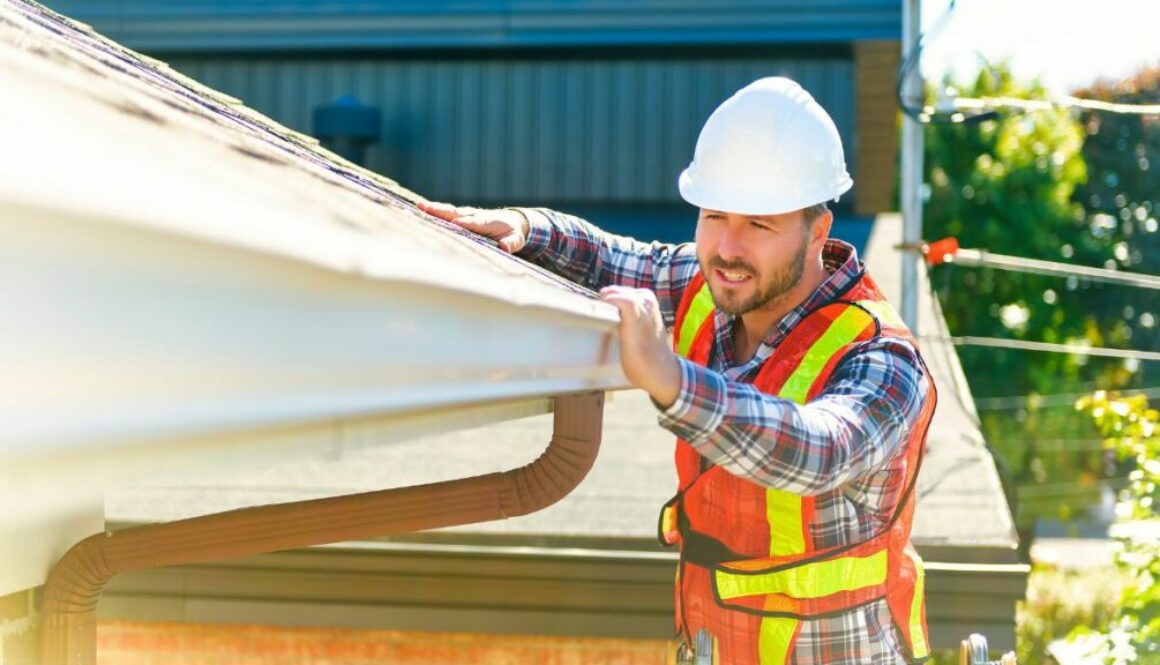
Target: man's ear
[820,229]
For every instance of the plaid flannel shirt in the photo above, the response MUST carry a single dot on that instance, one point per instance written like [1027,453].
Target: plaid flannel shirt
[845,447]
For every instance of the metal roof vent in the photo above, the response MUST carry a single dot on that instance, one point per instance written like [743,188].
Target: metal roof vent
[347,127]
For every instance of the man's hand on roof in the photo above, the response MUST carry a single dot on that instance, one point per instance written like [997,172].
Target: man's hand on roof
[645,355]
[509,228]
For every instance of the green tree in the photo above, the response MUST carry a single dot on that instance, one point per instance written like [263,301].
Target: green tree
[1122,203]
[1133,434]
[1008,185]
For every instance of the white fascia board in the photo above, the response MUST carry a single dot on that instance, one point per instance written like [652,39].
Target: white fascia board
[129,351]
[117,335]
[178,293]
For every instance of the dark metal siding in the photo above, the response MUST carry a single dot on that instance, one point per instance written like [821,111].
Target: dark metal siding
[254,25]
[525,590]
[525,130]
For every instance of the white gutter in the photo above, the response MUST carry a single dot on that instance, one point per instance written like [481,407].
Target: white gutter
[188,286]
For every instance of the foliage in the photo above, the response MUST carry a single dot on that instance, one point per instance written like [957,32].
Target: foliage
[1081,188]
[1122,203]
[1007,185]
[1133,433]
[1059,601]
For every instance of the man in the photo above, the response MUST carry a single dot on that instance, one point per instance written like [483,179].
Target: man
[798,397]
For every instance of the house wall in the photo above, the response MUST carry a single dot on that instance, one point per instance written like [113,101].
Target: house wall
[876,153]
[564,591]
[589,102]
[136,643]
[20,627]
[160,26]
[545,128]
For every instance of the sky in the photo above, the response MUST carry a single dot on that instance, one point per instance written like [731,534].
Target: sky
[1066,43]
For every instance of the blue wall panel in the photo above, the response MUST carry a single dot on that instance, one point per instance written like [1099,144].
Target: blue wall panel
[159,26]
[611,131]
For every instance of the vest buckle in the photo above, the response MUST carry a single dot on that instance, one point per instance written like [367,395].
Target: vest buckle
[701,654]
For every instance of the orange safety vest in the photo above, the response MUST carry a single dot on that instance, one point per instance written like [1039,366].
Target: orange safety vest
[749,571]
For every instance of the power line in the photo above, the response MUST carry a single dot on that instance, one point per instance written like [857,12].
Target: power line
[1065,102]
[1057,445]
[1057,399]
[947,251]
[1073,349]
[911,61]
[952,109]
[983,259]
[1044,490]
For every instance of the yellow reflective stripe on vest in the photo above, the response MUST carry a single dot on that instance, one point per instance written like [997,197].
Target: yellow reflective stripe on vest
[917,638]
[884,312]
[845,329]
[784,512]
[699,310]
[774,640]
[811,580]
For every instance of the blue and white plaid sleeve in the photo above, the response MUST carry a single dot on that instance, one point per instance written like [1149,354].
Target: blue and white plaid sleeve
[860,420]
[591,257]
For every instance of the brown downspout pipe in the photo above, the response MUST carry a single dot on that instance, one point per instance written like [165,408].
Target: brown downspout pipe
[74,584]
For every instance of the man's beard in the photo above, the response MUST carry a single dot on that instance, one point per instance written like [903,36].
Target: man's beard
[779,283]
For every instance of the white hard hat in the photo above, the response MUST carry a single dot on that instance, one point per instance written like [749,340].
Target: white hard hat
[768,149]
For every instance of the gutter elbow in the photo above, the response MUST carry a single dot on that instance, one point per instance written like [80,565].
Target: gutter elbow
[74,585]
[576,435]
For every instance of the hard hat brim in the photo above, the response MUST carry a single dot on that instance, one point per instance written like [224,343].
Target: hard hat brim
[743,201]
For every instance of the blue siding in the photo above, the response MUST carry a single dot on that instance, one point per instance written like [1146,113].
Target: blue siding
[677,223]
[615,131]
[159,26]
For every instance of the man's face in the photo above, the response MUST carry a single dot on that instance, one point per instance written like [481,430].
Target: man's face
[750,261]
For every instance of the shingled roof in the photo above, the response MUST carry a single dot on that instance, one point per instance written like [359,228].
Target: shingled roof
[192,288]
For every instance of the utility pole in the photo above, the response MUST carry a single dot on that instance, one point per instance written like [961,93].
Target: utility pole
[911,185]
